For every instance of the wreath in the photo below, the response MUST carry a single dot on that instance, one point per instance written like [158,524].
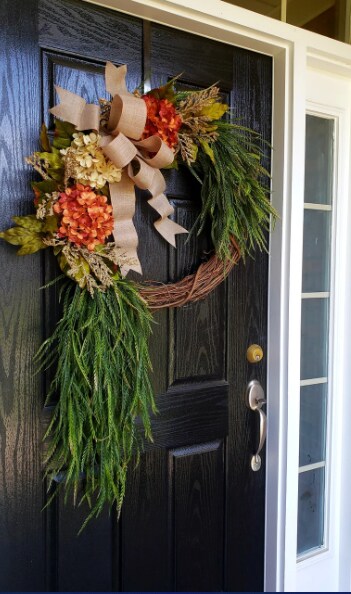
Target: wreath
[84,207]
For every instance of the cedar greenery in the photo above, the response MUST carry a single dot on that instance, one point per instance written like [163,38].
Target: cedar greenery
[100,352]
[233,195]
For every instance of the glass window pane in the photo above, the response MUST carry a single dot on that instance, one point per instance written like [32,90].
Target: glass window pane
[313,408]
[310,530]
[316,251]
[314,338]
[319,160]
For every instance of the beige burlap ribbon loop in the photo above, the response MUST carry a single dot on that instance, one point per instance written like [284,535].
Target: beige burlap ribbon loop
[119,149]
[128,115]
[140,160]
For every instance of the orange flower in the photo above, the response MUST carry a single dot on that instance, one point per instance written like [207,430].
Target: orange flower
[86,217]
[162,120]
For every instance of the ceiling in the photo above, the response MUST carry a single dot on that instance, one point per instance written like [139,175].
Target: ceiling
[299,12]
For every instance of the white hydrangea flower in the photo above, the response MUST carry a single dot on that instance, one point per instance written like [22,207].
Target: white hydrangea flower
[86,163]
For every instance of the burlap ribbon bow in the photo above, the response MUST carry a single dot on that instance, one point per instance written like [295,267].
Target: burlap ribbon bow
[140,160]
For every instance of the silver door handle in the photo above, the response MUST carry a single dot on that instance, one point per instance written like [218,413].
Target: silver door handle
[255,400]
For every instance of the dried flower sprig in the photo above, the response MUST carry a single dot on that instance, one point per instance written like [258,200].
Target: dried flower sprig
[198,110]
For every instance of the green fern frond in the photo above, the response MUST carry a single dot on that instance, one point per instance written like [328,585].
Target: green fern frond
[233,191]
[102,383]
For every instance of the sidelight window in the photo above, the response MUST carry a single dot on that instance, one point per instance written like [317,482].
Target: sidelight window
[315,395]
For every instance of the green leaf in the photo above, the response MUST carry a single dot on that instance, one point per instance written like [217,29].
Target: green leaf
[18,235]
[29,222]
[32,246]
[215,110]
[57,249]
[44,187]
[173,165]
[207,149]
[63,134]
[44,139]
[167,91]
[50,224]
[54,159]
[61,143]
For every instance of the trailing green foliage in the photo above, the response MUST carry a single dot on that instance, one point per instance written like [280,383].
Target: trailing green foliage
[100,352]
[232,192]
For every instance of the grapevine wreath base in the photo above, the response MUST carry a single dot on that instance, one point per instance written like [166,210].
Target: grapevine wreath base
[84,208]
[193,287]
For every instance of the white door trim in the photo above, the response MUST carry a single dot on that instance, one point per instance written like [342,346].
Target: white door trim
[292,50]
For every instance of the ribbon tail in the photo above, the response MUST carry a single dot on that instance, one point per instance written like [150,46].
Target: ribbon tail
[125,235]
[167,228]
[74,109]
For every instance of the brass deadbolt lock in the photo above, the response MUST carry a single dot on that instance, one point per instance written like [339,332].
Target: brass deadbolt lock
[254,353]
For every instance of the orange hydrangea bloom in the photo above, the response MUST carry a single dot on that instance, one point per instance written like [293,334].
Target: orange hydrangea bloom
[162,120]
[86,216]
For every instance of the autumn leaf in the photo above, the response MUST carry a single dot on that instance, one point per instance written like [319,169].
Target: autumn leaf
[214,111]
[29,222]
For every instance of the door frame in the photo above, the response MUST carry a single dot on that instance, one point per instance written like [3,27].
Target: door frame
[295,52]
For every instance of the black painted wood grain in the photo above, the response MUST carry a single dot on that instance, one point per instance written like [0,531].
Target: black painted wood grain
[147,527]
[190,414]
[22,548]
[96,33]
[198,512]
[247,292]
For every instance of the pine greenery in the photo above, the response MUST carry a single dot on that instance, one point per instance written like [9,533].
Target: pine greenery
[101,382]
[233,195]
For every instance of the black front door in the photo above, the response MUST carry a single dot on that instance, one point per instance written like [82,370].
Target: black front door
[193,517]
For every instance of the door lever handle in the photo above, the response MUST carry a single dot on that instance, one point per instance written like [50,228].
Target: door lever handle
[255,400]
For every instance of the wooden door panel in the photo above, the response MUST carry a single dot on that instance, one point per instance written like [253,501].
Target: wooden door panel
[201,62]
[191,414]
[92,32]
[76,75]
[198,511]
[86,562]
[145,531]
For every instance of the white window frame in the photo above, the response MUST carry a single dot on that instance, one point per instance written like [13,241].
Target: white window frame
[295,52]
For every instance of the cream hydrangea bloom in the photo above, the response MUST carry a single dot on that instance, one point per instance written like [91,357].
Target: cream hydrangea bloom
[87,164]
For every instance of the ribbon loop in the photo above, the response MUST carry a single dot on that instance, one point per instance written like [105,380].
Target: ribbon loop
[163,156]
[127,115]
[119,149]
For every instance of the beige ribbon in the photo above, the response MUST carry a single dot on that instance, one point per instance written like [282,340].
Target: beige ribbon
[140,160]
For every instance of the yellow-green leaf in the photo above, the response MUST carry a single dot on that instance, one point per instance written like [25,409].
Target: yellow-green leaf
[173,165]
[29,222]
[50,225]
[63,132]
[57,249]
[53,159]
[44,187]
[18,235]
[44,139]
[32,246]
[207,149]
[214,111]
